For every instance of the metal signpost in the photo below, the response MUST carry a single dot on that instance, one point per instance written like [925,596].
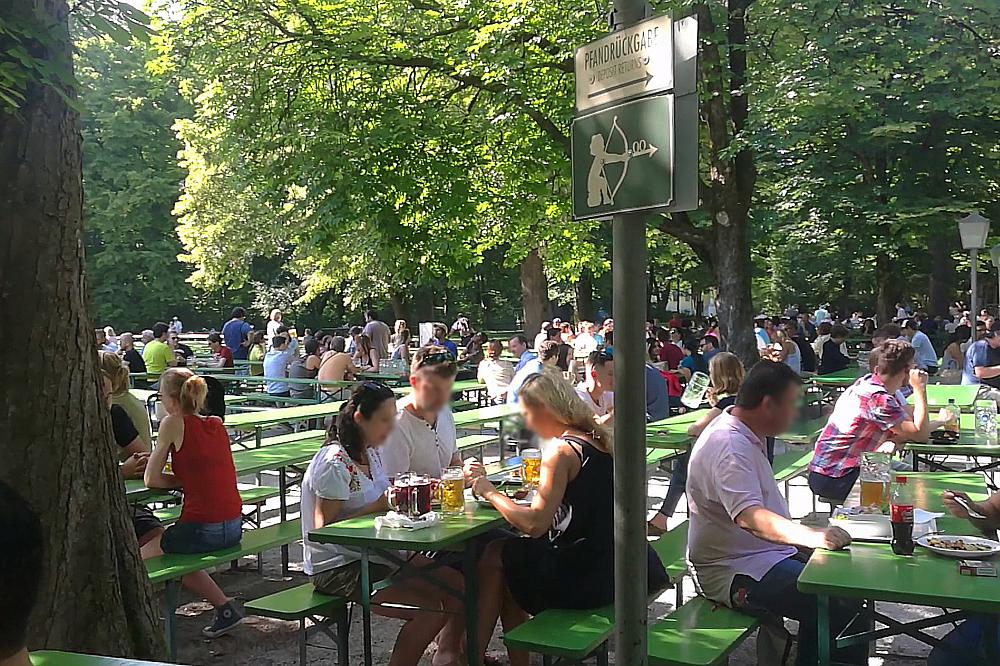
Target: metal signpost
[634,149]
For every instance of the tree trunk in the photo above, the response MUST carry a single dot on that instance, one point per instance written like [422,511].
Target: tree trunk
[585,296]
[534,292]
[885,289]
[941,285]
[55,433]
[400,306]
[733,301]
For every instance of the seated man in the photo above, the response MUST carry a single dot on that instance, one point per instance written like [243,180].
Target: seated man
[834,357]
[597,388]
[966,644]
[981,363]
[276,363]
[336,364]
[926,357]
[548,355]
[742,545]
[441,340]
[20,576]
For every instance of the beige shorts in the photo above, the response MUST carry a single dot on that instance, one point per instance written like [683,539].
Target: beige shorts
[345,581]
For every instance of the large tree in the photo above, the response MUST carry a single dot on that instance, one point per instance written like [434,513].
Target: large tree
[55,434]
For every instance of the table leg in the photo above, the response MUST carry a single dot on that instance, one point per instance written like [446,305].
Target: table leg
[283,501]
[914,462]
[170,617]
[471,602]
[823,630]
[366,606]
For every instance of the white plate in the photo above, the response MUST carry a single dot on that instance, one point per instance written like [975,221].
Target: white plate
[964,554]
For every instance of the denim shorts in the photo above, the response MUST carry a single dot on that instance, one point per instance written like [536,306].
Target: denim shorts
[201,537]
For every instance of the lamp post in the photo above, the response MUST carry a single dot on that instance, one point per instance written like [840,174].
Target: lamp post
[973,228]
[995,258]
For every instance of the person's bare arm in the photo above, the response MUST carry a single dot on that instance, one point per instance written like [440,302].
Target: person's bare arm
[170,435]
[327,510]
[698,427]
[772,527]
[919,429]
[987,372]
[990,508]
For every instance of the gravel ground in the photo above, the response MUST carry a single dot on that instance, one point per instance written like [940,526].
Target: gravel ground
[264,642]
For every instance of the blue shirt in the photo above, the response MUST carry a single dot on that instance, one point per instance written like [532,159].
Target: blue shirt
[976,356]
[657,398]
[234,332]
[276,366]
[521,362]
[532,367]
[925,354]
[451,347]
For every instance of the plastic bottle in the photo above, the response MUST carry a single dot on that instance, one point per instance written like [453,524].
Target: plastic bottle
[901,515]
[954,414]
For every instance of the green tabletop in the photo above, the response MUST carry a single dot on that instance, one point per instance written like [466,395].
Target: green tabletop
[145,395]
[472,417]
[844,377]
[446,535]
[270,417]
[973,450]
[928,487]
[685,419]
[872,571]
[54,658]
[468,385]
[938,395]
[966,438]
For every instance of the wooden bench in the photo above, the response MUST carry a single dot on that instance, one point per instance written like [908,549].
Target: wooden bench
[699,633]
[168,569]
[570,636]
[57,658]
[255,495]
[302,603]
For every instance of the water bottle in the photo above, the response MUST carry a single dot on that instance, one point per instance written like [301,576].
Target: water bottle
[954,416]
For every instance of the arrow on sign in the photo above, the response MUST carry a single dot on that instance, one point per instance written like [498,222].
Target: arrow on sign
[644,80]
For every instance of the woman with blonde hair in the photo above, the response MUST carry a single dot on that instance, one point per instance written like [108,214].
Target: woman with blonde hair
[115,370]
[202,464]
[566,559]
[725,371]
[273,324]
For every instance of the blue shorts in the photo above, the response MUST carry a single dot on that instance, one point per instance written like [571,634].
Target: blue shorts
[201,537]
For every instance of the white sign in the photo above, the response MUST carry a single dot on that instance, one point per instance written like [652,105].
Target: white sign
[637,60]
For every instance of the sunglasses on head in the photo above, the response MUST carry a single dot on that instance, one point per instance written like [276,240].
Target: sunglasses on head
[436,358]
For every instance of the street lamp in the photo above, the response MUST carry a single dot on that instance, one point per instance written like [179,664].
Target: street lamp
[973,228]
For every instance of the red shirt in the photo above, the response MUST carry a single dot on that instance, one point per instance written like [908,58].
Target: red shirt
[225,353]
[204,466]
[672,354]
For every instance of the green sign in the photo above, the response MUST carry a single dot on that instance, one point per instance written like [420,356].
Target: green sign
[622,158]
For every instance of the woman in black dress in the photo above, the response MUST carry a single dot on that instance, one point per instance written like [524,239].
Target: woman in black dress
[566,559]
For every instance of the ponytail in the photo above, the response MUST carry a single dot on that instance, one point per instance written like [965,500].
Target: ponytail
[187,388]
[345,430]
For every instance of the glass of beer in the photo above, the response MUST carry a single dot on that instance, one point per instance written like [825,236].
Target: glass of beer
[453,491]
[531,461]
[875,480]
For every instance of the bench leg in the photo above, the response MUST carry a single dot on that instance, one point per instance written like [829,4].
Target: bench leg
[679,591]
[547,660]
[170,617]
[343,633]
[602,655]
[303,642]
[282,489]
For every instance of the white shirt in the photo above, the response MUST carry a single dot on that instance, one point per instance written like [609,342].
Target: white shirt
[900,313]
[272,330]
[601,407]
[584,344]
[333,475]
[415,446]
[496,374]
[821,315]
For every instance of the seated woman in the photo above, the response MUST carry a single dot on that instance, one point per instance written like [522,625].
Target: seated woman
[566,559]
[401,346]
[202,464]
[495,372]
[256,352]
[726,374]
[365,356]
[115,370]
[345,479]
[304,367]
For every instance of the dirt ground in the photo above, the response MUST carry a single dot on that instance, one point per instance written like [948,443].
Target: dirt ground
[265,642]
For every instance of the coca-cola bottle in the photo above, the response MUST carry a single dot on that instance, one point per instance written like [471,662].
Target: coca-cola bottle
[901,515]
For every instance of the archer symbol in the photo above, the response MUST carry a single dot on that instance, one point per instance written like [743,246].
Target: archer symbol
[599,190]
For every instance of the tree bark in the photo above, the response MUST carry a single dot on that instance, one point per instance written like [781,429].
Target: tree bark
[400,306]
[534,292]
[55,433]
[941,285]
[885,289]
[585,296]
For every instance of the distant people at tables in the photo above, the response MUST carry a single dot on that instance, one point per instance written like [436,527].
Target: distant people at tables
[176,326]
[202,464]
[133,450]
[181,351]
[472,353]
[129,354]
[725,372]
[585,342]
[743,547]
[675,321]
[518,346]
[495,372]
[807,355]
[273,324]
[712,329]
[425,440]
[346,479]
[709,347]
[693,360]
[115,372]
[606,327]
[784,350]
[397,330]
[112,339]
[24,558]
[926,357]
[901,312]
[156,354]
[304,367]
[379,335]
[821,314]
[102,340]
[807,329]
[256,350]
[548,356]
[953,358]
[336,365]
[871,416]
[234,334]
[222,357]
[463,328]
[966,644]
[868,326]
[566,559]
[854,322]
[276,362]
[401,350]
[598,385]
[364,354]
[543,334]
[760,325]
[668,351]
[657,396]
[566,334]
[565,353]
[147,336]
[834,357]
[440,339]
[982,362]
[352,338]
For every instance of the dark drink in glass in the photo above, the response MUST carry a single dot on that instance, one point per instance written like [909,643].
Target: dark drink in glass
[420,495]
[901,515]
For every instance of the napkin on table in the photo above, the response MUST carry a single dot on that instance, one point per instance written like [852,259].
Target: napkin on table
[394,520]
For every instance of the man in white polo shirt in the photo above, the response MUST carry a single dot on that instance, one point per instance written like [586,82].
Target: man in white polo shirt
[597,389]
[743,547]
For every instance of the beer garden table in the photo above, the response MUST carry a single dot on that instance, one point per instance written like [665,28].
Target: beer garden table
[871,571]
[256,421]
[968,445]
[938,395]
[453,533]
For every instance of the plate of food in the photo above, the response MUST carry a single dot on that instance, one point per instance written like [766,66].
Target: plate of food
[959,546]
[944,437]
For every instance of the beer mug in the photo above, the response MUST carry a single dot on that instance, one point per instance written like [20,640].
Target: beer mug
[453,491]
[875,477]
[986,421]
[531,462]
[695,391]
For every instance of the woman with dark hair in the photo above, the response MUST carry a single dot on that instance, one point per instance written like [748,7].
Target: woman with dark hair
[953,358]
[345,479]
[304,367]
[693,360]
[365,356]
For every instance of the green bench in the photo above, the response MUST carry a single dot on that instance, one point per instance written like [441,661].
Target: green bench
[260,396]
[569,636]
[168,569]
[56,658]
[256,495]
[298,436]
[480,442]
[302,603]
[699,633]
[656,456]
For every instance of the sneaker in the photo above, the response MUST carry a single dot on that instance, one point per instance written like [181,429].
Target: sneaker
[226,618]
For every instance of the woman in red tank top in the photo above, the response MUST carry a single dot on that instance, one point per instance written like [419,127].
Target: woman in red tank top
[202,464]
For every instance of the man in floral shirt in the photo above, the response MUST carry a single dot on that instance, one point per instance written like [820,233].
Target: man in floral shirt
[869,416]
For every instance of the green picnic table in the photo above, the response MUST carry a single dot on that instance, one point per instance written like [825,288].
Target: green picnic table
[840,379]
[871,571]
[146,394]
[453,533]
[969,445]
[256,421]
[56,658]
[938,395]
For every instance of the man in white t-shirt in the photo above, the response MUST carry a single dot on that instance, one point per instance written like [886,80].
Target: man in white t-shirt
[585,342]
[597,390]
[424,440]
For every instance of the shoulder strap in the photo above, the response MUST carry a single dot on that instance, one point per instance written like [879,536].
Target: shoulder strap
[579,441]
